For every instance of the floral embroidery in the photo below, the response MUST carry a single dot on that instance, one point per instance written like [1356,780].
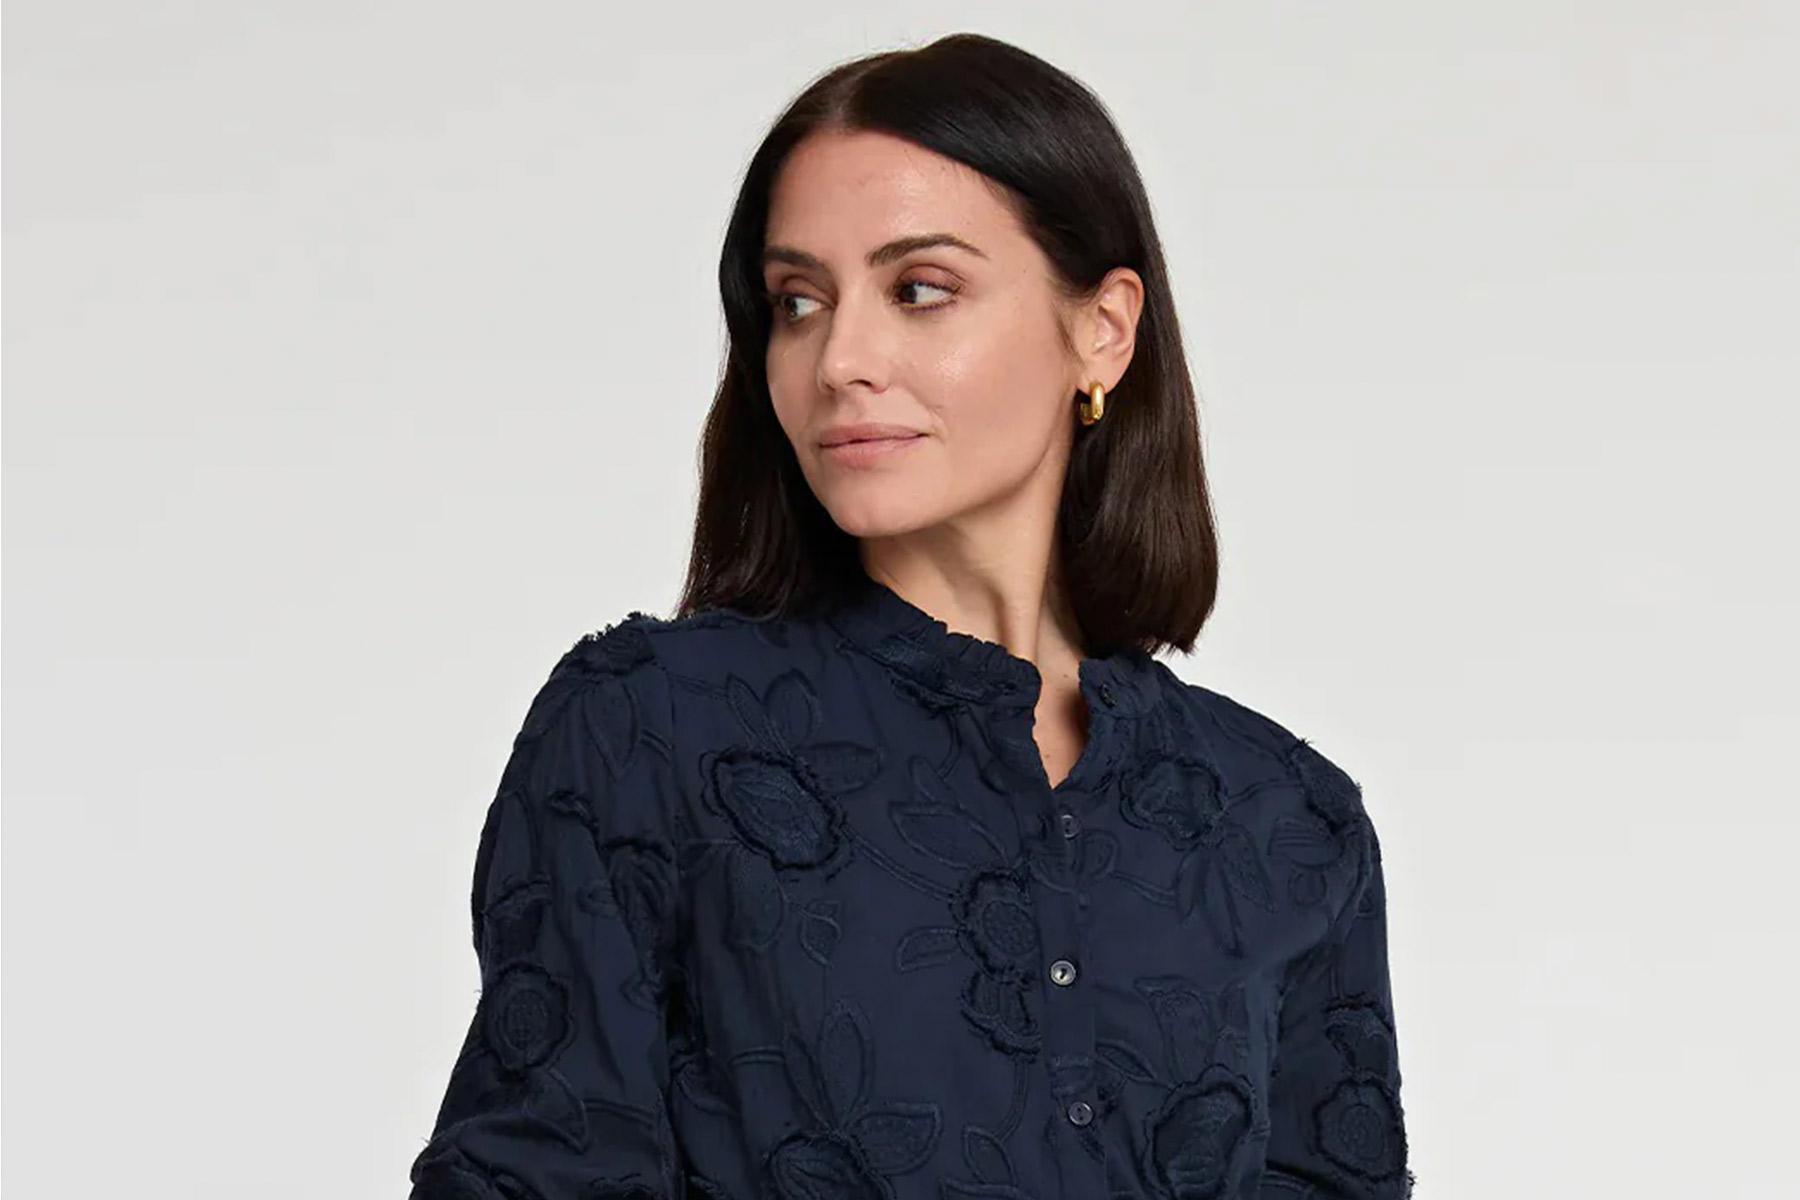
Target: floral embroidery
[702,879]
[995,925]
[994,922]
[1199,1028]
[642,894]
[1358,1126]
[1175,796]
[1197,1137]
[1311,850]
[526,1016]
[1330,793]
[782,791]
[854,1143]
[1359,1130]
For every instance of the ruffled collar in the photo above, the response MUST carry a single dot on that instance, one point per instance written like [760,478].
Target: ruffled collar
[960,668]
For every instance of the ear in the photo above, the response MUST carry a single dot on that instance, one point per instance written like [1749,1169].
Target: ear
[1105,329]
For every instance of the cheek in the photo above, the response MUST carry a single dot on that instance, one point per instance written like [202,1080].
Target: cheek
[1000,387]
[789,392]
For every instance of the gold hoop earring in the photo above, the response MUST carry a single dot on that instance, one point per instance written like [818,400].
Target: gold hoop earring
[1094,407]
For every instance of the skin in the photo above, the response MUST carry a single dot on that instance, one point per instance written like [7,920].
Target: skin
[962,346]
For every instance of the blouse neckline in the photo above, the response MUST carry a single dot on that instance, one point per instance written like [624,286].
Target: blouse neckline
[963,668]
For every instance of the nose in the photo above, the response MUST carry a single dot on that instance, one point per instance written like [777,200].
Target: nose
[857,346]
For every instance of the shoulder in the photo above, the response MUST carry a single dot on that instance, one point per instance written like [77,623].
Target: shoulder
[1226,728]
[641,645]
[627,671]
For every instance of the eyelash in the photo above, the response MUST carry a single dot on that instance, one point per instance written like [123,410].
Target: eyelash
[776,299]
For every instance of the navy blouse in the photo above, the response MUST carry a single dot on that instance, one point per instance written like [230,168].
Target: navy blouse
[787,909]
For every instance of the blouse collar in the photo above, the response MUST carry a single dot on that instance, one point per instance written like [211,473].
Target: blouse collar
[960,668]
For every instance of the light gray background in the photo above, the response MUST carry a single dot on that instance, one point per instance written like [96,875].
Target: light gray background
[354,364]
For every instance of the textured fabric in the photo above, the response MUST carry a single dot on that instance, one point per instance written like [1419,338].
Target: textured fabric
[789,909]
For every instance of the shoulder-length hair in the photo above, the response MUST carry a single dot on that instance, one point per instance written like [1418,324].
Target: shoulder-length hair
[1136,544]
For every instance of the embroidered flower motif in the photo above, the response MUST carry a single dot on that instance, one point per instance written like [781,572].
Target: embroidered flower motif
[854,1143]
[1176,796]
[1311,850]
[510,922]
[592,677]
[1361,1033]
[1358,1125]
[643,895]
[1200,1028]
[995,926]
[1197,1137]
[1000,1010]
[994,923]
[526,1016]
[1183,799]
[781,790]
[824,1165]
[1359,1129]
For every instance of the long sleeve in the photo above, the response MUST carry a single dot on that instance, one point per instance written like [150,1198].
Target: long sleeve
[558,1091]
[1337,1126]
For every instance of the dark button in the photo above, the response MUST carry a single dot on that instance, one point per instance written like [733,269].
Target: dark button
[1070,825]
[1106,694]
[1080,1113]
[1062,972]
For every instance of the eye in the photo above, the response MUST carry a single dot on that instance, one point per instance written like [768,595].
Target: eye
[779,302]
[928,286]
[783,302]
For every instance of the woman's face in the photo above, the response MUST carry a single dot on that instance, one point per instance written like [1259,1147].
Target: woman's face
[954,345]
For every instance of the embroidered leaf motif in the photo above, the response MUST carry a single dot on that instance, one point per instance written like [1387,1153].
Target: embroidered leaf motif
[842,767]
[986,1156]
[1304,841]
[793,708]
[609,711]
[511,922]
[845,1059]
[897,1137]
[1126,1061]
[820,930]
[750,713]
[803,1072]
[925,948]
[1243,866]
[949,835]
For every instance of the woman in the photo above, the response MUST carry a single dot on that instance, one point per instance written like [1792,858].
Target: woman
[894,865]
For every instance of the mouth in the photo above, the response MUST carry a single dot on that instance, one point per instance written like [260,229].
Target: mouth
[864,450]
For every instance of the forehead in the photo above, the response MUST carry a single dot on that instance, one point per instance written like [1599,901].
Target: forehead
[839,193]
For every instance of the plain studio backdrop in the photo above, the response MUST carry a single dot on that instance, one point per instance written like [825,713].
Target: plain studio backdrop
[355,361]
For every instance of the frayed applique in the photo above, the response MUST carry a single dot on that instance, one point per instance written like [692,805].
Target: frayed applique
[525,1017]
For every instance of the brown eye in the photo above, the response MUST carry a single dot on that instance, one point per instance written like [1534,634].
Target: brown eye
[779,302]
[908,284]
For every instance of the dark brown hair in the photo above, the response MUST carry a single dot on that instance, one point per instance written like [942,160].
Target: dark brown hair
[1137,549]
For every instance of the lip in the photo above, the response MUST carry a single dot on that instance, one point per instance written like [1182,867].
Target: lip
[843,448]
[869,431]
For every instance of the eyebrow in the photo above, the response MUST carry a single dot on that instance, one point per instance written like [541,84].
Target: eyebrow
[880,256]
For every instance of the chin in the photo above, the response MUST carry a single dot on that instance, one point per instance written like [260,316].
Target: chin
[878,516]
